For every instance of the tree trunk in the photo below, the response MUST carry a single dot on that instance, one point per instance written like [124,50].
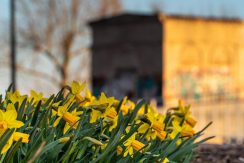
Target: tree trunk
[64,71]
[67,43]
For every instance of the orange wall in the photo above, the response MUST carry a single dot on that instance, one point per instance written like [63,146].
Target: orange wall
[202,58]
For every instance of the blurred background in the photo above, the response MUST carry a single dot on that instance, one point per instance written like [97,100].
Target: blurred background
[160,50]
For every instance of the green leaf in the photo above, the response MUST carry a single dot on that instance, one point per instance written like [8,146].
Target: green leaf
[35,116]
[5,137]
[12,151]
[21,110]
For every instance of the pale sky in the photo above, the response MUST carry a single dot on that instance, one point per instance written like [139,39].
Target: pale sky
[213,8]
[4,9]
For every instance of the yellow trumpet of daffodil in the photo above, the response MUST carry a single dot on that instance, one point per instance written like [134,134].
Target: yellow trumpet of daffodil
[71,118]
[119,150]
[132,144]
[20,135]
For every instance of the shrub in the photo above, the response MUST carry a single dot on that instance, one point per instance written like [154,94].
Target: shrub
[75,126]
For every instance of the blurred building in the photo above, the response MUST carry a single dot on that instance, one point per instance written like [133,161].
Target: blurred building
[192,58]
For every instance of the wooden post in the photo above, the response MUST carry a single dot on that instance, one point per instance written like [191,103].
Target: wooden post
[13,44]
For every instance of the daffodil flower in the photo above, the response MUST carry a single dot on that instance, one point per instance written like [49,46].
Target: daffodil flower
[126,106]
[89,98]
[154,127]
[15,97]
[70,118]
[36,97]
[20,135]
[132,144]
[119,150]
[103,100]
[15,137]
[166,160]
[184,113]
[76,89]
[8,119]
[186,130]
[111,115]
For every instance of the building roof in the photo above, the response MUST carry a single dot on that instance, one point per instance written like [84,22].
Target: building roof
[127,18]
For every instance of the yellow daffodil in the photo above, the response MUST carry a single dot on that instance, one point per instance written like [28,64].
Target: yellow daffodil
[119,150]
[184,112]
[109,101]
[8,119]
[89,98]
[132,144]
[55,106]
[36,97]
[141,111]
[111,115]
[104,146]
[7,145]
[166,160]
[15,97]
[176,129]
[76,89]
[70,118]
[102,101]
[64,139]
[126,106]
[15,137]
[186,130]
[95,114]
[20,135]
[154,127]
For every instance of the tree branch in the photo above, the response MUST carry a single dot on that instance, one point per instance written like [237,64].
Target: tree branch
[54,81]
[39,74]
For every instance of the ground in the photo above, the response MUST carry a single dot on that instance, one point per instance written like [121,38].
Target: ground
[209,153]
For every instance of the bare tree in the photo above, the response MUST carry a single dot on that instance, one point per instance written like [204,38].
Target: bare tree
[51,27]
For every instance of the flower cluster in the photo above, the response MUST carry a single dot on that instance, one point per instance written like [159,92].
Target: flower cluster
[74,126]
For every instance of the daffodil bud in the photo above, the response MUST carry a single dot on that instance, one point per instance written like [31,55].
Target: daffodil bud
[64,139]
[94,141]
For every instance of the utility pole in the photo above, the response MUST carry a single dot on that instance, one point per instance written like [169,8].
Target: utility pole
[13,44]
